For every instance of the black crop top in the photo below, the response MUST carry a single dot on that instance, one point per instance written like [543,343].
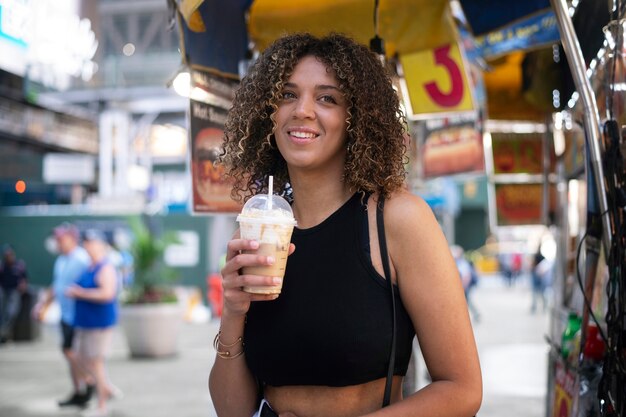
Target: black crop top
[331,325]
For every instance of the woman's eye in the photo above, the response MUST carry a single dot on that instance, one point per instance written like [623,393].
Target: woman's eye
[288,95]
[329,99]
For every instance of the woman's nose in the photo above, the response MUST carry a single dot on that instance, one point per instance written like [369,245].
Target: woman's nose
[304,108]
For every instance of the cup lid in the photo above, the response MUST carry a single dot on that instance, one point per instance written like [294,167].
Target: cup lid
[258,207]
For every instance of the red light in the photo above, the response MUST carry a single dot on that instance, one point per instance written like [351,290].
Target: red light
[20,186]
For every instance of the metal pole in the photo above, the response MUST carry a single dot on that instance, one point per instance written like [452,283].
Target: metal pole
[591,115]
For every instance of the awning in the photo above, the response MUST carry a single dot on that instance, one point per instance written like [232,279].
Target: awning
[405,25]
[217,36]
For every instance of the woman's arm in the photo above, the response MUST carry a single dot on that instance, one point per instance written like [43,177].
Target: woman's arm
[432,294]
[232,386]
[106,290]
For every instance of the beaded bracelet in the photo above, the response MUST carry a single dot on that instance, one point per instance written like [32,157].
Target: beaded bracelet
[225,354]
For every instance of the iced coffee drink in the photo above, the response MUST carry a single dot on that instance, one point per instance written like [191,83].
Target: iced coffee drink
[268,219]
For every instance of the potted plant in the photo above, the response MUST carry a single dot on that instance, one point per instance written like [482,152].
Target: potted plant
[150,315]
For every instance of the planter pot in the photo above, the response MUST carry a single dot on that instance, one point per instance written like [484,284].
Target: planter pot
[151,330]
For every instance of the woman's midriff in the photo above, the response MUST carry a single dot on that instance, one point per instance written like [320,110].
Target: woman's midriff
[323,401]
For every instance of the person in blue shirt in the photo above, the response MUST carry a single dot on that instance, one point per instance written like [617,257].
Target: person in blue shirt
[71,263]
[96,315]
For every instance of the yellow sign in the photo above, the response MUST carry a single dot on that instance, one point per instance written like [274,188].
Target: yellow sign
[437,81]
[564,391]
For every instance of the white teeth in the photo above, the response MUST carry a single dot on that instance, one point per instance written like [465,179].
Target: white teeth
[303,135]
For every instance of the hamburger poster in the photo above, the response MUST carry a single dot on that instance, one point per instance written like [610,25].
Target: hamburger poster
[210,190]
[210,97]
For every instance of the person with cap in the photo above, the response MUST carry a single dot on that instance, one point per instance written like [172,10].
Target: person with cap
[68,267]
[95,293]
[13,281]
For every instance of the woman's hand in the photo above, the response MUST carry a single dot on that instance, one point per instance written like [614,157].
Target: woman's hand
[236,300]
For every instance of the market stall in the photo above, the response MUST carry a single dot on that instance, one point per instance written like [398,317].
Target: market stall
[493,85]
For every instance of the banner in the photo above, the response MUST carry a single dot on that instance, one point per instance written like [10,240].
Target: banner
[437,81]
[534,31]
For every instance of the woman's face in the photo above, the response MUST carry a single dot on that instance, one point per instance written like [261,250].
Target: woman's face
[311,118]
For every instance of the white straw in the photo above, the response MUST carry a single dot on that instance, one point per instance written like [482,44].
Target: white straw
[270,191]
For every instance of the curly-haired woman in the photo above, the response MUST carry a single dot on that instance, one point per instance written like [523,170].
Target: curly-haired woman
[322,117]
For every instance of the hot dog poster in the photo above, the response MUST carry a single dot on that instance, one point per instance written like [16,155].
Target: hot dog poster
[451,148]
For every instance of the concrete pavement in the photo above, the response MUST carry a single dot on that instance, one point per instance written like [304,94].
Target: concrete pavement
[513,355]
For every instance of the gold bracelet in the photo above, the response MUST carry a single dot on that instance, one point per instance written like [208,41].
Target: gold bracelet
[225,354]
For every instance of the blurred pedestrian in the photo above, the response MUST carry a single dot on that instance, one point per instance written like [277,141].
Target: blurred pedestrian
[469,278]
[68,267]
[516,268]
[541,277]
[13,283]
[96,314]
[504,263]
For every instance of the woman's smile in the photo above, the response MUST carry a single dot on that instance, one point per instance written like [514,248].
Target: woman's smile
[302,135]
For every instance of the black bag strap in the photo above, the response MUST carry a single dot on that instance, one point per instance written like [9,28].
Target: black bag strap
[382,243]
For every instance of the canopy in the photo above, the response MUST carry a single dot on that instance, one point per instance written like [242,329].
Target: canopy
[405,25]
[218,36]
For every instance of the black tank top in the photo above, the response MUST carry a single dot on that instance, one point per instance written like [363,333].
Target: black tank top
[331,325]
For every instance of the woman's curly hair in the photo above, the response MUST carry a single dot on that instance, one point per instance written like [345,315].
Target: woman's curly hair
[376,126]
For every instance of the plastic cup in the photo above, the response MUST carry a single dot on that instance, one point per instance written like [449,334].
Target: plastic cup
[270,224]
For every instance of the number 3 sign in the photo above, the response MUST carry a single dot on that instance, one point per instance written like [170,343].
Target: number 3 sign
[436,81]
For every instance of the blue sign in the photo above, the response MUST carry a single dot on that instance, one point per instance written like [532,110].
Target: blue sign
[537,30]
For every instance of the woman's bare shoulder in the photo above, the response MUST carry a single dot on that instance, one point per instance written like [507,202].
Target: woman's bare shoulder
[406,210]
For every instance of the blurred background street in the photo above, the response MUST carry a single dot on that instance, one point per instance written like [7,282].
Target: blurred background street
[111,119]
[510,339]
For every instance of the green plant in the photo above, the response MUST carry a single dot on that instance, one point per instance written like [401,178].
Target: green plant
[152,282]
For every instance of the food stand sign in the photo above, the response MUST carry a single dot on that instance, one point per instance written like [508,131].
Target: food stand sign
[515,153]
[564,391]
[437,81]
[451,146]
[521,203]
[210,189]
